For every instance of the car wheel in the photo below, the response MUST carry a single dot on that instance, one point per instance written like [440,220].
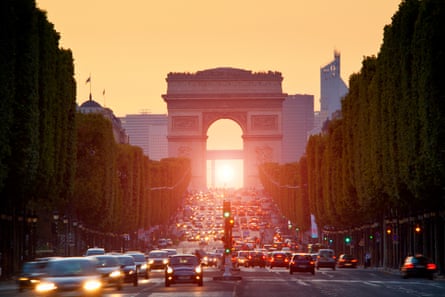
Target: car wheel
[200,283]
[167,283]
[333,267]
[313,272]
[290,271]
[135,281]
[119,287]
[146,276]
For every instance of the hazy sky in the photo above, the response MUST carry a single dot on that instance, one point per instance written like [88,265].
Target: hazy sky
[129,47]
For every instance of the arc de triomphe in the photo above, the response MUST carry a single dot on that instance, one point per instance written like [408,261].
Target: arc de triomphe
[253,100]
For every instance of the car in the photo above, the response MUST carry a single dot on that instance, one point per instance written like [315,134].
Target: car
[326,259]
[157,259]
[346,260]
[279,259]
[70,276]
[110,268]
[302,262]
[242,258]
[95,251]
[171,251]
[128,266]
[256,258]
[30,275]
[141,263]
[183,268]
[418,266]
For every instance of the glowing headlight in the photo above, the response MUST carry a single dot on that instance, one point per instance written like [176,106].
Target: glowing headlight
[46,287]
[198,269]
[144,266]
[92,285]
[115,273]
[165,261]
[169,270]
[151,261]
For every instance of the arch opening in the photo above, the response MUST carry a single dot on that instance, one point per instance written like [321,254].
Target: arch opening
[225,164]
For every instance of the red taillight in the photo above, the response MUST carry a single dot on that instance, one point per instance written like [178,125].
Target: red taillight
[409,266]
[286,260]
[312,262]
[431,266]
[354,260]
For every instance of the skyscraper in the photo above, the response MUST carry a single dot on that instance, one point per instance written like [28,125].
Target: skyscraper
[332,90]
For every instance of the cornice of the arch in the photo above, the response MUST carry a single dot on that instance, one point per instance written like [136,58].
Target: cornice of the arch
[240,117]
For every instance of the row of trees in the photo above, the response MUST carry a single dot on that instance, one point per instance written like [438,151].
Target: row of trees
[382,160]
[53,159]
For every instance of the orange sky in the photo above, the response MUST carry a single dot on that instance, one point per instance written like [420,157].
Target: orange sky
[129,47]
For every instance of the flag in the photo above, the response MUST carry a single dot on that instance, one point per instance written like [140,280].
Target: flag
[88,79]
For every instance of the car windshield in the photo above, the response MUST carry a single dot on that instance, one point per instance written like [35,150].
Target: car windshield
[138,257]
[30,267]
[158,255]
[71,268]
[185,260]
[107,262]
[126,260]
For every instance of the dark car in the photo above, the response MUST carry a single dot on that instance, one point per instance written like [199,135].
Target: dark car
[418,266]
[347,261]
[128,266]
[256,258]
[141,263]
[302,262]
[279,259]
[326,259]
[70,276]
[30,274]
[110,268]
[157,259]
[183,268]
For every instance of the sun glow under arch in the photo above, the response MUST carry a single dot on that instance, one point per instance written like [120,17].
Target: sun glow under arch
[227,173]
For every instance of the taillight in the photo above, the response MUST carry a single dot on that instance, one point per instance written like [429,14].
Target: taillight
[431,266]
[354,260]
[409,265]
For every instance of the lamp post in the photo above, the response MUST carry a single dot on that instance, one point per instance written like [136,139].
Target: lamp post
[56,232]
[75,237]
[66,225]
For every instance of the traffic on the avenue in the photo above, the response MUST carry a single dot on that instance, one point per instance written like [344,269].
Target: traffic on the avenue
[217,248]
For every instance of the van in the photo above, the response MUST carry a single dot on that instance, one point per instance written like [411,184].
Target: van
[326,259]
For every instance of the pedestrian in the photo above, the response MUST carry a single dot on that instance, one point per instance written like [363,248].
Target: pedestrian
[367,259]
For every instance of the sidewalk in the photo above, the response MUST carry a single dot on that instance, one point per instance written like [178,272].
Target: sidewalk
[8,284]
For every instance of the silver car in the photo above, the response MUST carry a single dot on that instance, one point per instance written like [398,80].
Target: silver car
[71,276]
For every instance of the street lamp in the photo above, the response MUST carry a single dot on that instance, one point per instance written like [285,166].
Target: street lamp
[65,223]
[75,237]
[56,232]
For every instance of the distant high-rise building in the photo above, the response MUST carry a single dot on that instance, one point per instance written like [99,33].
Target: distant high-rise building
[148,131]
[332,90]
[298,121]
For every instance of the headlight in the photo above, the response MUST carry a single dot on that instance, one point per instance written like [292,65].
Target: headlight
[169,270]
[92,285]
[46,287]
[165,261]
[151,261]
[198,269]
[115,273]
[144,266]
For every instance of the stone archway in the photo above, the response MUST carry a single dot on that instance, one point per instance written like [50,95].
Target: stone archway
[253,100]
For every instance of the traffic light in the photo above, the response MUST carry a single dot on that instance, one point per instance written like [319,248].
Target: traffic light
[417,229]
[227,250]
[227,211]
[348,239]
